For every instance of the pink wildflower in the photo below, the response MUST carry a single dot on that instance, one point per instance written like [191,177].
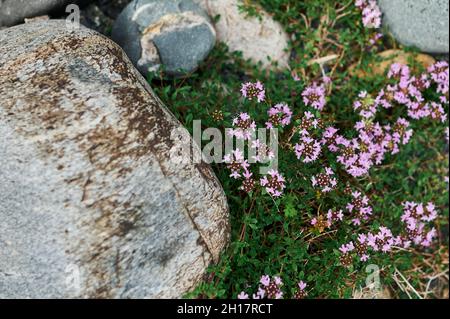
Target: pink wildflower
[309,149]
[329,138]
[236,163]
[301,292]
[440,76]
[314,96]
[399,71]
[371,13]
[274,183]
[242,295]
[253,91]
[263,152]
[334,216]
[326,181]
[366,105]
[359,206]
[245,127]
[249,183]
[270,288]
[308,123]
[280,114]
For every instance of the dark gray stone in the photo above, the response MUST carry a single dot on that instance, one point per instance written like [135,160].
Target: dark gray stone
[14,12]
[419,23]
[176,34]
[174,47]
[94,18]
[112,8]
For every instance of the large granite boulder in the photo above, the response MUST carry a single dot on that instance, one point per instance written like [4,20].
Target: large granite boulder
[96,199]
[175,34]
[15,11]
[419,23]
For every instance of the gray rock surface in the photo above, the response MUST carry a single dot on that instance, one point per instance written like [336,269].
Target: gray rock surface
[93,202]
[261,40]
[177,34]
[15,11]
[420,23]
[94,18]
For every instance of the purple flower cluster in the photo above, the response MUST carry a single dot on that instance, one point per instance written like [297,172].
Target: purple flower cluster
[263,152]
[365,105]
[375,38]
[274,183]
[269,288]
[399,71]
[400,134]
[253,91]
[325,181]
[371,13]
[308,149]
[314,96]
[415,215]
[408,90]
[301,291]
[383,241]
[249,182]
[329,139]
[245,127]
[374,140]
[237,164]
[355,156]
[309,122]
[359,208]
[332,217]
[240,168]
[439,74]
[280,114]
[346,257]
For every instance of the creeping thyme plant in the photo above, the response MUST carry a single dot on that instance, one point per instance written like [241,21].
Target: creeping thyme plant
[362,174]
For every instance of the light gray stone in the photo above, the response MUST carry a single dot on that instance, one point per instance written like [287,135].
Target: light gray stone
[176,34]
[419,23]
[260,39]
[94,203]
[15,11]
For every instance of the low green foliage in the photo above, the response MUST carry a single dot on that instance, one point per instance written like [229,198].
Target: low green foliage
[274,236]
